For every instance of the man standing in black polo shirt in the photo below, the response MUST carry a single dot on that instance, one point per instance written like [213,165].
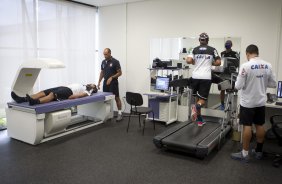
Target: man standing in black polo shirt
[110,71]
[217,78]
[229,52]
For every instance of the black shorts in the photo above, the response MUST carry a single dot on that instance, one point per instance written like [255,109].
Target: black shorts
[216,79]
[113,87]
[201,88]
[61,93]
[249,116]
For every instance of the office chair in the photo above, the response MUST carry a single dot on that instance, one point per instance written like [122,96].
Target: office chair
[135,100]
[276,127]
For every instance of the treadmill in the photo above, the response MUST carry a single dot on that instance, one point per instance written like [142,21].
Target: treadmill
[189,138]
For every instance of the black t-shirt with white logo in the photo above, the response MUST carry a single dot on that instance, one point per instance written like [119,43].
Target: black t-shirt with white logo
[235,62]
[110,68]
[231,54]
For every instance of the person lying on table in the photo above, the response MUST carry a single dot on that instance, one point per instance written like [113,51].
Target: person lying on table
[71,91]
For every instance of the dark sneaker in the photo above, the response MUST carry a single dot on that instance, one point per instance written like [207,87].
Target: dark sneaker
[193,113]
[31,100]
[257,155]
[119,117]
[201,123]
[239,156]
[17,98]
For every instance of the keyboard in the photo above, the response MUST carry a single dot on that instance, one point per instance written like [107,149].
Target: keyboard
[278,103]
[156,93]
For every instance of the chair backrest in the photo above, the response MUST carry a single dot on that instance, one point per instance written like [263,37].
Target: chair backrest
[134,98]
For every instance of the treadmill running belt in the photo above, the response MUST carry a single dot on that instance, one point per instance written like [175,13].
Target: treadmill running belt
[188,137]
[191,135]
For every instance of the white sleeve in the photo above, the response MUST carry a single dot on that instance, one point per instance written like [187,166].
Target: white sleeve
[241,78]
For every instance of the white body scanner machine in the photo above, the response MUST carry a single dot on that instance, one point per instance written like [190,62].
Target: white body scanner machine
[43,122]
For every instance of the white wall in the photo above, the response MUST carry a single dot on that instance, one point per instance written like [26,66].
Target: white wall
[255,21]
[112,34]
[279,50]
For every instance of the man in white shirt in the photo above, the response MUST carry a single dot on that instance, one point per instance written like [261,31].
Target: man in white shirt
[203,57]
[71,91]
[255,76]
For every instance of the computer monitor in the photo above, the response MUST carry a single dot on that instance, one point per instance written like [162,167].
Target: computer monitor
[279,89]
[162,83]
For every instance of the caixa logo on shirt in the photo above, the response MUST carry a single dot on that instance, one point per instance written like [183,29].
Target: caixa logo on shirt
[203,56]
[259,66]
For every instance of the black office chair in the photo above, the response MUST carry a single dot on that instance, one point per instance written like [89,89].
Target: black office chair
[135,100]
[276,127]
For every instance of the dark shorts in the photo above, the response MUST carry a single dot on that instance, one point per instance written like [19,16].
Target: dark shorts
[216,78]
[249,116]
[113,87]
[61,93]
[201,88]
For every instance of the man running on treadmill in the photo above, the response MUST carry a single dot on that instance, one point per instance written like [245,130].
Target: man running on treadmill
[203,57]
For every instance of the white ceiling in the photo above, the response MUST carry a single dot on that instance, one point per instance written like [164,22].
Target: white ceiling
[105,2]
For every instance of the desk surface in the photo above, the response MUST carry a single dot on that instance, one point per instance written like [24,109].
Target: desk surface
[156,94]
[272,105]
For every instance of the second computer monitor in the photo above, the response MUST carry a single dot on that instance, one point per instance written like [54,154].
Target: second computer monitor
[162,83]
[279,89]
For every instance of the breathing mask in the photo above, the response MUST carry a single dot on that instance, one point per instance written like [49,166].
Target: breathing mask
[228,44]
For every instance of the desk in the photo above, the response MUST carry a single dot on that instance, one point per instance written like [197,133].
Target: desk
[270,110]
[165,107]
[272,105]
